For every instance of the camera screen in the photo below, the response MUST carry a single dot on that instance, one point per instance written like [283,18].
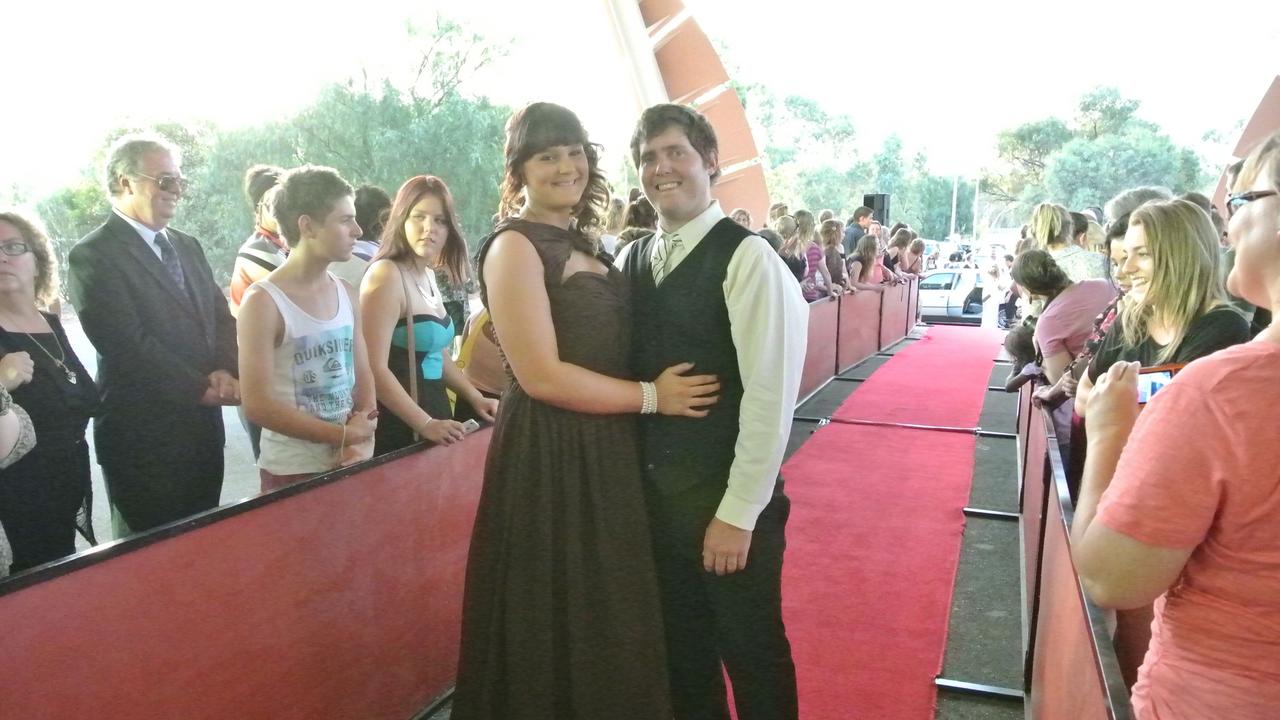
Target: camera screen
[1151,383]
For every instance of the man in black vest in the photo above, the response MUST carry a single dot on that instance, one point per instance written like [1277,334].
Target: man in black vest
[166,344]
[707,291]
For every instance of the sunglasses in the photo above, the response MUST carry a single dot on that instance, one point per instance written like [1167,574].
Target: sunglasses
[14,249]
[1239,200]
[169,183]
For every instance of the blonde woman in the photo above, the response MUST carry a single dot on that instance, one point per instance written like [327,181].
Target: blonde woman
[1179,503]
[830,235]
[614,224]
[816,272]
[1176,309]
[865,270]
[1052,229]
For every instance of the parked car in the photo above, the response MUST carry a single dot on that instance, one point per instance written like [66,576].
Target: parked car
[952,295]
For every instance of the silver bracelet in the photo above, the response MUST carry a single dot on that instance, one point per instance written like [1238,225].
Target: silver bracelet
[650,405]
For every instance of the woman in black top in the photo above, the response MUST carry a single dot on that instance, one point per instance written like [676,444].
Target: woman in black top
[1176,310]
[45,496]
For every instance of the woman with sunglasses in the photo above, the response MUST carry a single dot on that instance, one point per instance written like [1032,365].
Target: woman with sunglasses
[43,494]
[1179,505]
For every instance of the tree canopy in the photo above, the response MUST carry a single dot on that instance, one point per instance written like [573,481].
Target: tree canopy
[374,132]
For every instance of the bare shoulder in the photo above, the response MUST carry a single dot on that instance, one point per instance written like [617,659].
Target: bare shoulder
[257,305]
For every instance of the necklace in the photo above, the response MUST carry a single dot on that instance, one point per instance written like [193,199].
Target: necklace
[58,361]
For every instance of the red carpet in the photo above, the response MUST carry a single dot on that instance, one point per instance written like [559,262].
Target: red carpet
[939,380]
[875,529]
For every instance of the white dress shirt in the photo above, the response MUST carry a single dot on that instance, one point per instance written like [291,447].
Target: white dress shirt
[148,235]
[769,322]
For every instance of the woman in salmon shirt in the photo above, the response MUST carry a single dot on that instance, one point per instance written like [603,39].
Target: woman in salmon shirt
[1187,514]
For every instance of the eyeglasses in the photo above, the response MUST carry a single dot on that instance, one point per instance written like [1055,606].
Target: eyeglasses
[14,249]
[169,183]
[1239,200]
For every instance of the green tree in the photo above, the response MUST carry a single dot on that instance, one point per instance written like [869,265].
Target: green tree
[1104,111]
[1105,150]
[1024,151]
[379,132]
[1090,172]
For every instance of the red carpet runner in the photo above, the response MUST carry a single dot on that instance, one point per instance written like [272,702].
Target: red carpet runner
[875,529]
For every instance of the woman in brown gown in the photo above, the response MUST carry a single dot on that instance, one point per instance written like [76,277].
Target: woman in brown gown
[561,618]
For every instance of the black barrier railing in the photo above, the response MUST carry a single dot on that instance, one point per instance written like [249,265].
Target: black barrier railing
[1070,670]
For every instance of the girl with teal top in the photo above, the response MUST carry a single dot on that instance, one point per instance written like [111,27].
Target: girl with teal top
[399,290]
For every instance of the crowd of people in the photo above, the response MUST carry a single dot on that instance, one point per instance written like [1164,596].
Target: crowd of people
[1177,498]
[338,336]
[640,412]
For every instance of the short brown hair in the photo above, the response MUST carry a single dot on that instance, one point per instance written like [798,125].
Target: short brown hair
[657,119]
[309,190]
[543,125]
[33,234]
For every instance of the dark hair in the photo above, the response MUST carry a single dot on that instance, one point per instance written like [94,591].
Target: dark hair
[861,212]
[372,206]
[258,180]
[641,214]
[1008,258]
[309,190]
[542,125]
[657,119]
[1020,342]
[900,238]
[1079,224]
[1038,272]
[896,227]
[395,244]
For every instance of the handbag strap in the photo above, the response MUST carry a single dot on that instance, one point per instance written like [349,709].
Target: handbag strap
[413,354]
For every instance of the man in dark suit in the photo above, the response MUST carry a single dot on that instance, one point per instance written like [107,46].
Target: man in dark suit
[166,344]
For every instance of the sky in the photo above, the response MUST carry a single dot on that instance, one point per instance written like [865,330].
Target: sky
[945,77]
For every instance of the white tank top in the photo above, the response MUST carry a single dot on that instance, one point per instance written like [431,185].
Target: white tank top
[314,371]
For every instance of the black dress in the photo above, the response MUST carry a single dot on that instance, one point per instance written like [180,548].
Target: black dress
[561,617]
[47,495]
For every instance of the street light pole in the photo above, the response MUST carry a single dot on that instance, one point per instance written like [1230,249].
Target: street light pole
[955,196]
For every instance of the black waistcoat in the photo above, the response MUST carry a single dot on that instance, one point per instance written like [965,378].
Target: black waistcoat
[686,320]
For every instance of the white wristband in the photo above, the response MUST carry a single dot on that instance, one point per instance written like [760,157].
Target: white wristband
[650,404]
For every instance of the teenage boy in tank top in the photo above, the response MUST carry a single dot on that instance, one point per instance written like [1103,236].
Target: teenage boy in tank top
[306,379]
[706,290]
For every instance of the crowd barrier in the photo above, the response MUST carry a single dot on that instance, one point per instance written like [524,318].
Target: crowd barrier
[338,597]
[846,330]
[1070,671]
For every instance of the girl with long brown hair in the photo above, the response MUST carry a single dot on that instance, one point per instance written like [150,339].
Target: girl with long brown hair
[407,327]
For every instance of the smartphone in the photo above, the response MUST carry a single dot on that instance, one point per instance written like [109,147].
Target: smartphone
[1153,379]
[470,426]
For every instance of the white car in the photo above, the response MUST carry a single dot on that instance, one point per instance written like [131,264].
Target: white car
[952,295]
